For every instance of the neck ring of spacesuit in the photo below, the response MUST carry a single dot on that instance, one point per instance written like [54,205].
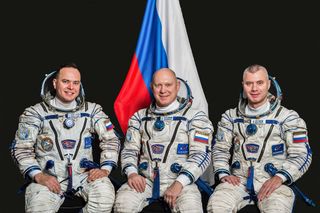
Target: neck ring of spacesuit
[274,102]
[48,92]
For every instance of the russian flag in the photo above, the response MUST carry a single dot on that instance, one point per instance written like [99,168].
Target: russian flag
[300,137]
[163,42]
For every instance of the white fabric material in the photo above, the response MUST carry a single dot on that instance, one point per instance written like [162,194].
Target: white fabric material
[173,106]
[56,102]
[130,201]
[257,111]
[184,180]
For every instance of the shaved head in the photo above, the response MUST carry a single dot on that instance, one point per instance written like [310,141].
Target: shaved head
[255,68]
[165,87]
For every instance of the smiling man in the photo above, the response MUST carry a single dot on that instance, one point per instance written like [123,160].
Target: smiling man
[269,150]
[167,133]
[55,136]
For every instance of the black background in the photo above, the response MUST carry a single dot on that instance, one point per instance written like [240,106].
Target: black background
[100,36]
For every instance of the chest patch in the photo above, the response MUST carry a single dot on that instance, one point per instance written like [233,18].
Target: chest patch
[157,148]
[252,148]
[68,144]
[87,142]
[182,149]
[277,149]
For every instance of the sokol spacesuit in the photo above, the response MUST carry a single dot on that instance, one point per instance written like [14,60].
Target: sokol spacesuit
[54,140]
[278,136]
[155,140]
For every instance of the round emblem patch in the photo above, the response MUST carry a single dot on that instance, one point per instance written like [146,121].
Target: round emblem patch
[68,123]
[251,129]
[47,144]
[158,125]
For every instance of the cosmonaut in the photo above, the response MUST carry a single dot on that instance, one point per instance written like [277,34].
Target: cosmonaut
[261,134]
[55,136]
[167,133]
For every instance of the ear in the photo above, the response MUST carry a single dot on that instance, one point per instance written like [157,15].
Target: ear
[269,84]
[151,86]
[178,85]
[54,82]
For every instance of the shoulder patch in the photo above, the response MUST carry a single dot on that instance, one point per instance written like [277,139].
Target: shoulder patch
[299,137]
[108,124]
[220,135]
[202,137]
[128,136]
[23,133]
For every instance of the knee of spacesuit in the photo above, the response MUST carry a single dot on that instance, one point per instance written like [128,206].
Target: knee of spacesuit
[100,196]
[225,198]
[129,201]
[280,201]
[189,200]
[38,198]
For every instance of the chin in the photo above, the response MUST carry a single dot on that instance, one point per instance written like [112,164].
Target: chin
[163,104]
[68,100]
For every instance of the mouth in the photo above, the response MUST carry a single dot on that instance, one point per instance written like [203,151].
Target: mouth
[69,93]
[254,95]
[163,96]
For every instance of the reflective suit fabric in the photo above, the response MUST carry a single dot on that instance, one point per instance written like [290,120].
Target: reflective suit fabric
[276,141]
[176,143]
[41,136]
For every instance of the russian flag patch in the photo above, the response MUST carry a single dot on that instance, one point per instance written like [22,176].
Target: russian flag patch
[300,137]
[109,125]
[202,137]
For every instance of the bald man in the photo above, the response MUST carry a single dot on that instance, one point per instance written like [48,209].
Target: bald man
[260,132]
[165,133]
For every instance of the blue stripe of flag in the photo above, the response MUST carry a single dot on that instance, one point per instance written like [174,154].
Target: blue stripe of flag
[150,50]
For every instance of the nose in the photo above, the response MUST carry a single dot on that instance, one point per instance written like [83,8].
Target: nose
[162,89]
[70,85]
[254,86]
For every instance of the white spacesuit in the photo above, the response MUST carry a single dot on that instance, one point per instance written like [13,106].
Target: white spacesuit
[278,136]
[54,140]
[155,140]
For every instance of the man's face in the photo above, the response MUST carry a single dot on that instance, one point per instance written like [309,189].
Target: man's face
[255,87]
[67,84]
[165,87]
